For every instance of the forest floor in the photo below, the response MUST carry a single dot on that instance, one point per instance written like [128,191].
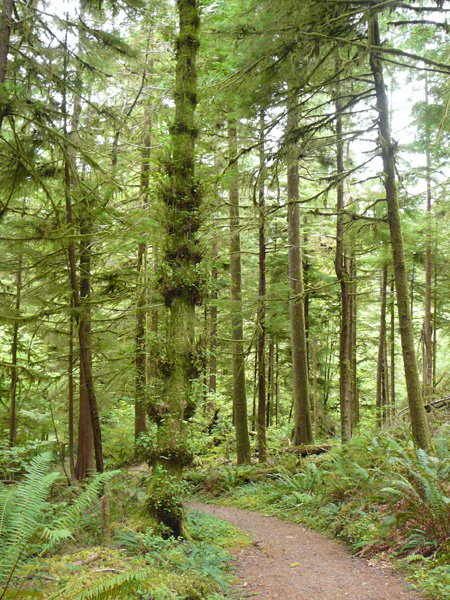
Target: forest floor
[290,562]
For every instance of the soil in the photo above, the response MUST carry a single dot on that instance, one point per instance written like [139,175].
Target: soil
[290,562]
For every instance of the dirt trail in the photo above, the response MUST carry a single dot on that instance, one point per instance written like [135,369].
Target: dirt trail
[290,562]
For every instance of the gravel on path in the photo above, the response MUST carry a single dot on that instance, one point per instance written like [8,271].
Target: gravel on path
[290,562]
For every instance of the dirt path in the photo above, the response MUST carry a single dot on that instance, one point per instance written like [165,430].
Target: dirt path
[290,562]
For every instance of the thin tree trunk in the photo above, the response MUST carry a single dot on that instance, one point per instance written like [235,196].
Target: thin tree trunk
[419,423]
[435,307]
[381,400]
[5,36]
[427,329]
[237,326]
[14,349]
[354,323]
[316,404]
[271,381]
[85,362]
[303,433]
[255,390]
[85,458]
[262,444]
[277,386]
[141,346]
[213,320]
[344,277]
[392,343]
[71,397]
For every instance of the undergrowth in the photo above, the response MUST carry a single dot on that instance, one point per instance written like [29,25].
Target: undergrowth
[377,494]
[52,546]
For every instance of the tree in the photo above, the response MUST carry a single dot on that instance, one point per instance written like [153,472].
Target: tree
[237,329]
[419,423]
[303,433]
[182,286]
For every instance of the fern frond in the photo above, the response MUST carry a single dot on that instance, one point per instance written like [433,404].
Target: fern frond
[67,521]
[112,587]
[21,515]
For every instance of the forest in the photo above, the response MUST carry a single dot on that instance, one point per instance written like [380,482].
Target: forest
[224,282]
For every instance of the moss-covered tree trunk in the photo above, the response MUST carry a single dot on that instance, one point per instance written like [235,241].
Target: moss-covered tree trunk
[237,326]
[181,284]
[303,433]
[419,423]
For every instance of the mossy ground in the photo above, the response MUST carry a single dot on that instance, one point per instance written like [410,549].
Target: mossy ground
[140,561]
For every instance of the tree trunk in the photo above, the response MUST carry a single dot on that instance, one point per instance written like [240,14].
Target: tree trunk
[262,444]
[344,276]
[277,386]
[181,285]
[213,320]
[316,402]
[71,398]
[381,399]
[85,457]
[14,349]
[435,308]
[79,309]
[420,430]
[427,329]
[303,433]
[141,346]
[354,322]
[392,343]
[237,327]
[5,35]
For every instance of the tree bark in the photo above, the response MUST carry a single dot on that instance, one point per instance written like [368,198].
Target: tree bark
[237,326]
[419,423]
[262,444]
[79,309]
[141,346]
[14,349]
[213,320]
[71,398]
[427,328]
[303,433]
[342,268]
[316,402]
[382,376]
[392,343]
[5,36]
[354,338]
[85,457]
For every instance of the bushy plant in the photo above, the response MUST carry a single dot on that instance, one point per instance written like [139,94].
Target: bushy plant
[420,494]
[22,522]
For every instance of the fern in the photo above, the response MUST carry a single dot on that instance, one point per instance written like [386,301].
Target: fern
[21,509]
[117,586]
[21,513]
[63,526]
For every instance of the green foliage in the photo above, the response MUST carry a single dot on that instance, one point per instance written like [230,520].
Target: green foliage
[118,435]
[419,492]
[22,517]
[13,461]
